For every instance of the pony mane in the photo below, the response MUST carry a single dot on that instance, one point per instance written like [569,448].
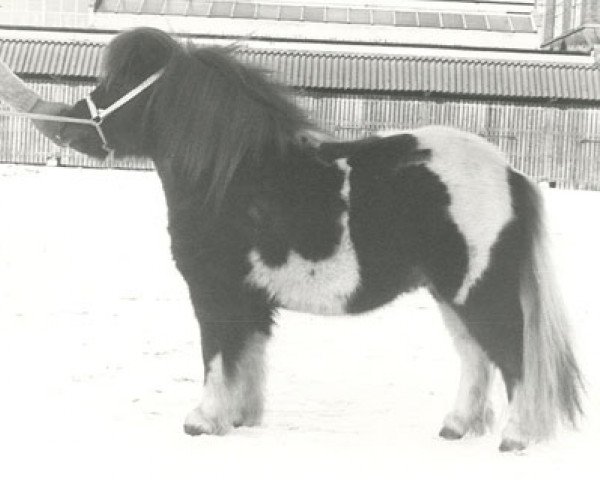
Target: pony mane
[208,114]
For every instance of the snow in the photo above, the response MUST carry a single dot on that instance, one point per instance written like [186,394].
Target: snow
[100,355]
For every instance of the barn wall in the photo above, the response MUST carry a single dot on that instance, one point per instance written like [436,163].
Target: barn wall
[549,142]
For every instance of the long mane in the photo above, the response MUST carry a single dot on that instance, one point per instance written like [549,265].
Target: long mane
[209,113]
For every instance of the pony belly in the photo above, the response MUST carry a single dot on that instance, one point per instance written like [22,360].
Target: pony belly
[321,287]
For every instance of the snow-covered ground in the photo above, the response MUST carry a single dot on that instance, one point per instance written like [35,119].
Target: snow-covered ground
[100,356]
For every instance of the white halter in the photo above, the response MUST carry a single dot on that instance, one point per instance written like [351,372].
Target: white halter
[99,114]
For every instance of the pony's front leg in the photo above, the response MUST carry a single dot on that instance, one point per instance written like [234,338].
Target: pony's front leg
[234,339]
[232,395]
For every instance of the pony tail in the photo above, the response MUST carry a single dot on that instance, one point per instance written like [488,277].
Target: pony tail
[552,383]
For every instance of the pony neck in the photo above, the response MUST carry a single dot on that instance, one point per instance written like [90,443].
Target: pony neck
[301,152]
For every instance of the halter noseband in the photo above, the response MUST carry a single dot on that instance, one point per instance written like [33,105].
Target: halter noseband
[99,114]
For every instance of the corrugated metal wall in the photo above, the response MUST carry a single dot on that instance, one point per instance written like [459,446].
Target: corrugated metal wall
[532,77]
[549,142]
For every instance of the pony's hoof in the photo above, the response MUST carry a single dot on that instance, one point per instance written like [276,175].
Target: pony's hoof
[448,433]
[247,422]
[454,427]
[510,445]
[197,423]
[195,430]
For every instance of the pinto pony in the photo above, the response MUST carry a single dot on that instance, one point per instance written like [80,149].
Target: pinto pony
[263,216]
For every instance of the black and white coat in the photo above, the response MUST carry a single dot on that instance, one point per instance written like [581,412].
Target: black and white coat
[260,219]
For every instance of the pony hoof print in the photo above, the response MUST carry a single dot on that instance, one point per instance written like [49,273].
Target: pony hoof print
[260,220]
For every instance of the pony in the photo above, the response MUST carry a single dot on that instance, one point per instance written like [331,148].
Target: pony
[266,211]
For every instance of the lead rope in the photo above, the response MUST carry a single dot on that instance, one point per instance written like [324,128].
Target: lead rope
[46,118]
[97,114]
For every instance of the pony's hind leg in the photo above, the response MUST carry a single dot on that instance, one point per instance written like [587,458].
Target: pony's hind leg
[234,339]
[472,412]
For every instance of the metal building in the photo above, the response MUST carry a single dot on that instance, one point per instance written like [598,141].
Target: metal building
[475,65]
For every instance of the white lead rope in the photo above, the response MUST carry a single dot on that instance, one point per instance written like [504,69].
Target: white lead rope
[47,118]
[54,118]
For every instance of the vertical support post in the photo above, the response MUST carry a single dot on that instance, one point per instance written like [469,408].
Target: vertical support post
[550,169]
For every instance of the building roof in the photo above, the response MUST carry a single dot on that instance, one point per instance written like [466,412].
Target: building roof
[411,22]
[409,74]
[406,23]
[349,15]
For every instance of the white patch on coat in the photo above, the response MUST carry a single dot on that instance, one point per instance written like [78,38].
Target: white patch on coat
[342,164]
[472,411]
[321,287]
[475,173]
[232,401]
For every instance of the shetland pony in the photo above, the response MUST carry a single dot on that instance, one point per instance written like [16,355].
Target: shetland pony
[261,216]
